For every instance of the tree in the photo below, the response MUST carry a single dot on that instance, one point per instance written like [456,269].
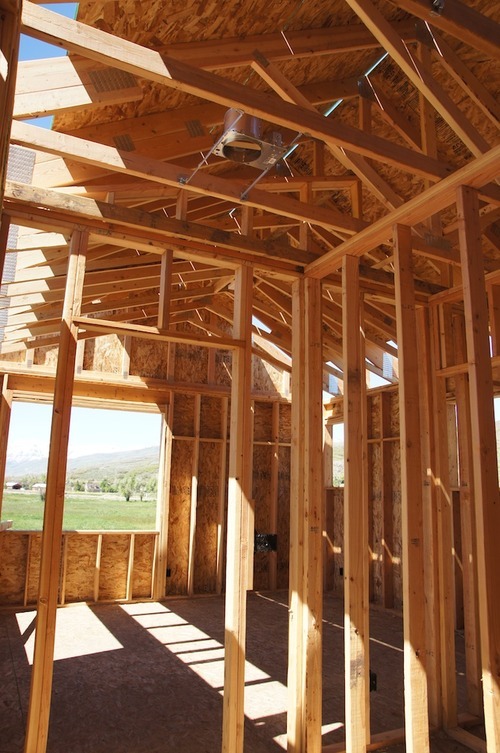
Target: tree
[128,486]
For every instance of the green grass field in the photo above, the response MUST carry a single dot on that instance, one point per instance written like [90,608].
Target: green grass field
[82,511]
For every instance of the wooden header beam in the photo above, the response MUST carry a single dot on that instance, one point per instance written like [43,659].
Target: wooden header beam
[476,174]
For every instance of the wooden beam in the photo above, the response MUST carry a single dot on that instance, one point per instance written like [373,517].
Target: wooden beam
[420,76]
[350,160]
[476,173]
[356,592]
[457,69]
[172,175]
[41,677]
[148,64]
[239,502]
[100,217]
[104,326]
[65,84]
[460,21]
[487,503]
[415,681]
[238,51]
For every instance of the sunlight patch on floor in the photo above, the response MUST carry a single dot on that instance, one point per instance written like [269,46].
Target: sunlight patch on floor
[78,633]
[205,656]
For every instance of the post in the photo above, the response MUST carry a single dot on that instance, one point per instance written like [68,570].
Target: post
[486,497]
[5,413]
[41,676]
[239,496]
[306,522]
[415,680]
[162,505]
[356,588]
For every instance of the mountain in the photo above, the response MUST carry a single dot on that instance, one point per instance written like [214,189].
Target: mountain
[88,467]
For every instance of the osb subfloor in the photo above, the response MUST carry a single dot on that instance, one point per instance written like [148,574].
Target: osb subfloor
[145,678]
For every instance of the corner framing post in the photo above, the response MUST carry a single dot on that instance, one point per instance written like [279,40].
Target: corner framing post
[43,659]
[306,522]
[238,514]
[486,496]
[412,481]
[10,28]
[163,503]
[356,564]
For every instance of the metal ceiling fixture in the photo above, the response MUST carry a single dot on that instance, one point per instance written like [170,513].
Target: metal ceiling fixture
[242,142]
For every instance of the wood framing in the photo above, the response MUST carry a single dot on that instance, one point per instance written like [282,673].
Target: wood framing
[278,217]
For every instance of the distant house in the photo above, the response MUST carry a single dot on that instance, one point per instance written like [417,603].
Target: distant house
[39,487]
[13,485]
[91,486]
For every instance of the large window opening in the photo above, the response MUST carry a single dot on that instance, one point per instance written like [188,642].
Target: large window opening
[112,472]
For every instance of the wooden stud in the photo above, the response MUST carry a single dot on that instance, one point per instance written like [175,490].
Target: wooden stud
[130,569]
[415,681]
[306,524]
[273,493]
[444,539]
[163,504]
[194,494]
[387,504]
[468,529]
[127,348]
[97,569]
[487,503]
[356,594]
[221,495]
[41,677]
[5,414]
[426,358]
[239,502]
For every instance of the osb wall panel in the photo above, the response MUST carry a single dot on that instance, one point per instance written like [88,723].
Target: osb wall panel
[45,357]
[205,555]
[149,359]
[262,421]
[394,412]
[104,354]
[283,516]
[114,567]
[144,547]
[223,367]
[13,558]
[179,515]
[183,424]
[374,416]
[261,488]
[35,549]
[191,364]
[329,564]
[377,518]
[285,424]
[338,540]
[81,552]
[211,417]
[266,378]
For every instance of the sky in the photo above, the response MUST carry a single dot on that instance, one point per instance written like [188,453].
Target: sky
[91,431]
